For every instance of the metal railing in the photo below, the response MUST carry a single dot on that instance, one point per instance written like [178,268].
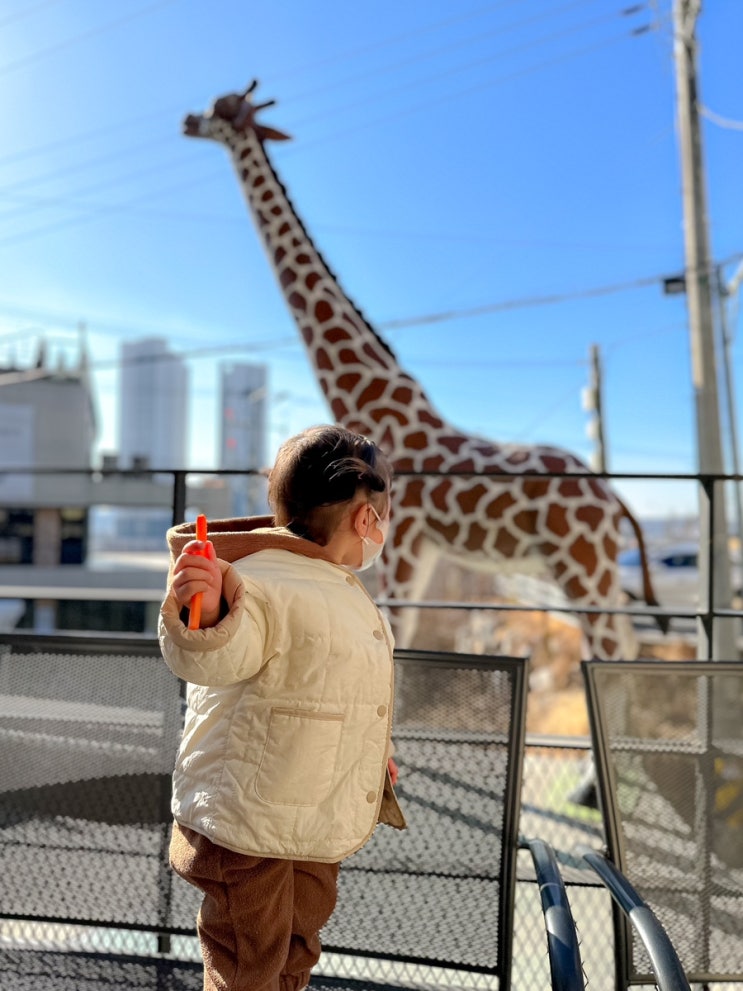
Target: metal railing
[147,487]
[554,766]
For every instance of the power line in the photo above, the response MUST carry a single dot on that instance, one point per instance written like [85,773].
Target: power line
[69,140]
[346,56]
[442,316]
[446,49]
[194,353]
[43,53]
[352,55]
[71,222]
[92,163]
[421,81]
[529,301]
[456,94]
[100,211]
[726,122]
[485,60]
[26,12]
[187,353]
[516,304]
[397,324]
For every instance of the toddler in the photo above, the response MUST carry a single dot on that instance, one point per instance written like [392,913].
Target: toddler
[284,766]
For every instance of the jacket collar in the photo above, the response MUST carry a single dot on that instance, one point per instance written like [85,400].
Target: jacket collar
[236,538]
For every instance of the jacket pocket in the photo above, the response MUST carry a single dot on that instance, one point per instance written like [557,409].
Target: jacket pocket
[299,757]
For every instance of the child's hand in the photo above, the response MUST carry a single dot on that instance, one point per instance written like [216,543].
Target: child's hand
[393,769]
[194,573]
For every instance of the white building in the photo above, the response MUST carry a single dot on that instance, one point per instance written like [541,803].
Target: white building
[242,442]
[153,405]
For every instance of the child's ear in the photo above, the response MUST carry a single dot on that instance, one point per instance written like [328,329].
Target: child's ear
[359,520]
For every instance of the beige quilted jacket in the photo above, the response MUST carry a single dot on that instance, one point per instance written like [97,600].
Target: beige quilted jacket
[287,731]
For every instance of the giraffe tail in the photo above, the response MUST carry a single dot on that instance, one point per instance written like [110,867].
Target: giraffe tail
[662,622]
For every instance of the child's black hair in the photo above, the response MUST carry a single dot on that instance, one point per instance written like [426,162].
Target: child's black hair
[320,470]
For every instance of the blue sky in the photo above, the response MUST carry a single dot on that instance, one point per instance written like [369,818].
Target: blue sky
[446,157]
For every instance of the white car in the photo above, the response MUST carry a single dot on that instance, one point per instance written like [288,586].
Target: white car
[674,571]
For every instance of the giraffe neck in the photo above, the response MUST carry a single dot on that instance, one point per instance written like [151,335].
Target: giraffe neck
[359,375]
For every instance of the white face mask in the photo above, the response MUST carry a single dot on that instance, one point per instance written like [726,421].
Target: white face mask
[370,550]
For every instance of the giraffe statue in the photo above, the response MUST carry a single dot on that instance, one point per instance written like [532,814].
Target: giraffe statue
[484,504]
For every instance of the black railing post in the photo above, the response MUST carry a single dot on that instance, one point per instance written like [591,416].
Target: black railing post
[179,497]
[706,619]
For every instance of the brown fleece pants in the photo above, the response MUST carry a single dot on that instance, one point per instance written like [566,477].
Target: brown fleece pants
[260,919]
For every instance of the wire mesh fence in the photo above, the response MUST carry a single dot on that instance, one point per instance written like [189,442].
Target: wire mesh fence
[549,775]
[86,758]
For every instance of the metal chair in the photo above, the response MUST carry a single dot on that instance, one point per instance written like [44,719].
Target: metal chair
[437,900]
[668,748]
[89,727]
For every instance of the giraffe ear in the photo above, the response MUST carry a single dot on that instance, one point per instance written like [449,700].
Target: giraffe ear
[271,133]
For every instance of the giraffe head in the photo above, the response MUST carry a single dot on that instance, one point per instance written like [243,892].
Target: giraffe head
[233,114]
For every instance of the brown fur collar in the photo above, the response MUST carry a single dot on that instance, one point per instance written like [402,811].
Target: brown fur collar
[236,538]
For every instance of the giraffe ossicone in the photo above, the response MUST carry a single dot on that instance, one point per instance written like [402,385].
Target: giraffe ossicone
[484,504]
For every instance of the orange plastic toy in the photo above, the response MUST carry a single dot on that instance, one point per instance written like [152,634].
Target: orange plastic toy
[194,611]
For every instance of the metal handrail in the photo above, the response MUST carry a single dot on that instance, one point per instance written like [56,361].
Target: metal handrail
[566,966]
[669,973]
[706,482]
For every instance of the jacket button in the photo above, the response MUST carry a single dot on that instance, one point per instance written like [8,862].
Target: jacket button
[381,710]
[350,580]
[371,797]
[378,635]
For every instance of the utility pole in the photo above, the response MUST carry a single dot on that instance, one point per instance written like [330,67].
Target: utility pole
[725,291]
[593,403]
[717,639]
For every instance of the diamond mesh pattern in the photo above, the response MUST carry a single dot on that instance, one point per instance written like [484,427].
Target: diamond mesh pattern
[88,733]
[88,743]
[433,892]
[96,972]
[674,735]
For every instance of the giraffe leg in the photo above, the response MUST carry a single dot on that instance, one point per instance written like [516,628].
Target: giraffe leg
[610,636]
[588,576]
[406,568]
